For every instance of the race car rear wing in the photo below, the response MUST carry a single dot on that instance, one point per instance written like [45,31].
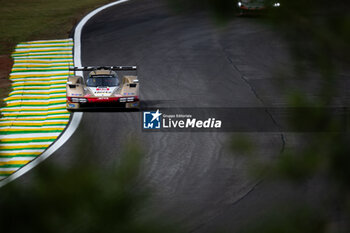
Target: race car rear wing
[92,68]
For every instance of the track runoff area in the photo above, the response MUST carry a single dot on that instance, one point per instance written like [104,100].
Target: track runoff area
[35,113]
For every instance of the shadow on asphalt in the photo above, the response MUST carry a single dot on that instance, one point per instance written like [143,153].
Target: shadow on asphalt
[144,105]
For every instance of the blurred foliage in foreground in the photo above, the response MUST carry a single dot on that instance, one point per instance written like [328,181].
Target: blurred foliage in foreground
[318,34]
[81,198]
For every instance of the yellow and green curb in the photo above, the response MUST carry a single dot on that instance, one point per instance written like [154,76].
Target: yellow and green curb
[35,113]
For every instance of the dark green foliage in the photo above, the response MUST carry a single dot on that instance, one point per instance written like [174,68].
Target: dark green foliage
[82,198]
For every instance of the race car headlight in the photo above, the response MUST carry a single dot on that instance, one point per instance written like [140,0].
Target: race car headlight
[277,4]
[83,100]
[127,99]
[239,4]
[79,100]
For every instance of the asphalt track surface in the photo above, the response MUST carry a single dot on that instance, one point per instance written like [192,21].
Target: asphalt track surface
[186,61]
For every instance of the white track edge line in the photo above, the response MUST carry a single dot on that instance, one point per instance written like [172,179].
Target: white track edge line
[73,125]
[77,116]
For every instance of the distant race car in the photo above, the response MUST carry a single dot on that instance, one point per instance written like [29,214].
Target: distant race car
[251,6]
[103,88]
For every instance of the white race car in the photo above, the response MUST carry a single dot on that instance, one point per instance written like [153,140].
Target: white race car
[103,88]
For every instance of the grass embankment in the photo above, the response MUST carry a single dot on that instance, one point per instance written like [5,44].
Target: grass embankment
[26,20]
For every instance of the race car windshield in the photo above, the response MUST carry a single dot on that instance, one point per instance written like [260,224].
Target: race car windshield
[102,81]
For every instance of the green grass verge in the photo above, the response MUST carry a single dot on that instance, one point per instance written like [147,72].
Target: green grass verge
[25,20]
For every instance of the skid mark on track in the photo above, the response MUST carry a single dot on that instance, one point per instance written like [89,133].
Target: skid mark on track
[258,97]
